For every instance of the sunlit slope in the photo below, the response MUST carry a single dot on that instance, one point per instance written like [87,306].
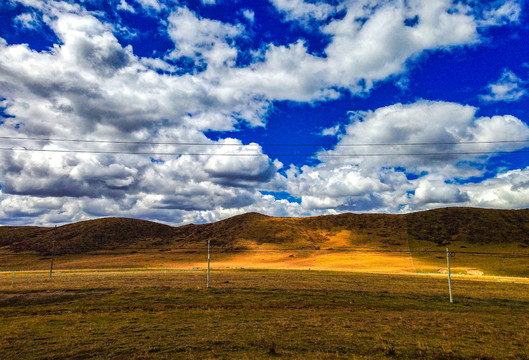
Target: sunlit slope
[413,242]
[253,230]
[246,231]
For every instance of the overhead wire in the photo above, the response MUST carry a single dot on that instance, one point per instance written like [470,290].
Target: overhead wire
[176,143]
[239,154]
[288,250]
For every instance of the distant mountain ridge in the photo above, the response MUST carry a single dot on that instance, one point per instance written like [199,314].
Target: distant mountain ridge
[440,226]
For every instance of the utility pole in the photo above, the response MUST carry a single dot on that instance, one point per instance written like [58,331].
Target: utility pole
[448,254]
[207,284]
[53,249]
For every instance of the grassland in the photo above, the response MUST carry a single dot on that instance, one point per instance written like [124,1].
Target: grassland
[492,242]
[258,315]
[329,287]
[343,250]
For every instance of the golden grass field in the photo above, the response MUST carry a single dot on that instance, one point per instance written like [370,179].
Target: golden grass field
[341,251]
[342,287]
[259,314]
[488,242]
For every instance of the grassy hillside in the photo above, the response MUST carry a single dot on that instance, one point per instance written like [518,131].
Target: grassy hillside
[438,227]
[475,226]
[85,236]
[495,242]
[301,233]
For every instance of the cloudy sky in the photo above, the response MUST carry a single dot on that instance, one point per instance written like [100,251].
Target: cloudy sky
[194,111]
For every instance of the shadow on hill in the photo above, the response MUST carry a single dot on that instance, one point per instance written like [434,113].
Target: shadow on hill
[441,226]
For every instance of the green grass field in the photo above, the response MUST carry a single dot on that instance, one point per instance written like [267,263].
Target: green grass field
[259,314]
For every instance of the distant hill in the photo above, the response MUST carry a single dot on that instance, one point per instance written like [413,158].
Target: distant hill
[85,236]
[475,226]
[440,226]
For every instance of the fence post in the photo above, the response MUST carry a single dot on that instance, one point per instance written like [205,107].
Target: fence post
[207,284]
[449,278]
[53,250]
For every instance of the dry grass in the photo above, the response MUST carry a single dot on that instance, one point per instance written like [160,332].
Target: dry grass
[353,259]
[259,314]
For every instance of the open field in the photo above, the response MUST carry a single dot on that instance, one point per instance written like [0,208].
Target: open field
[424,258]
[488,242]
[251,314]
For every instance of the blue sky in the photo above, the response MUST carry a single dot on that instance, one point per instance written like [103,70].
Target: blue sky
[190,112]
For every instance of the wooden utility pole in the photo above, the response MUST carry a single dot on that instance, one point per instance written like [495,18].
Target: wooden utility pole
[53,250]
[449,278]
[207,284]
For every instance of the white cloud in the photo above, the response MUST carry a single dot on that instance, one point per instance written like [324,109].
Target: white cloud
[150,4]
[89,86]
[370,44]
[507,190]
[249,15]
[442,123]
[332,131]
[304,11]
[508,12]
[249,166]
[27,20]
[378,183]
[433,191]
[508,88]
[200,38]
[123,5]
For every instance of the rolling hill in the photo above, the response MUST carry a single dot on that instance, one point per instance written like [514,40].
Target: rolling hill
[440,226]
[404,243]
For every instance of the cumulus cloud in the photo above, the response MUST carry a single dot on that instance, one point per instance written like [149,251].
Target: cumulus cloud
[202,38]
[508,12]
[90,86]
[372,42]
[507,190]
[249,15]
[247,167]
[424,128]
[150,4]
[304,11]
[124,5]
[27,20]
[392,158]
[332,131]
[434,191]
[508,88]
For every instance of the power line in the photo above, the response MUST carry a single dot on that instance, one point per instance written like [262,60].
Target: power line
[286,250]
[262,154]
[263,144]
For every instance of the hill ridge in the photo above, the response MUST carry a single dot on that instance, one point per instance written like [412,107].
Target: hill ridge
[439,226]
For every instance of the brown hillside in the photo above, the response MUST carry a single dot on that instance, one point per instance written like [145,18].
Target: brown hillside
[85,236]
[441,226]
[475,226]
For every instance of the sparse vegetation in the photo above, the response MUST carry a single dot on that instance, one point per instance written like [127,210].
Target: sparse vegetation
[260,315]
[359,242]
[441,227]
[255,313]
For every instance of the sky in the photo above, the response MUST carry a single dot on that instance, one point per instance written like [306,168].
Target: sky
[194,111]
